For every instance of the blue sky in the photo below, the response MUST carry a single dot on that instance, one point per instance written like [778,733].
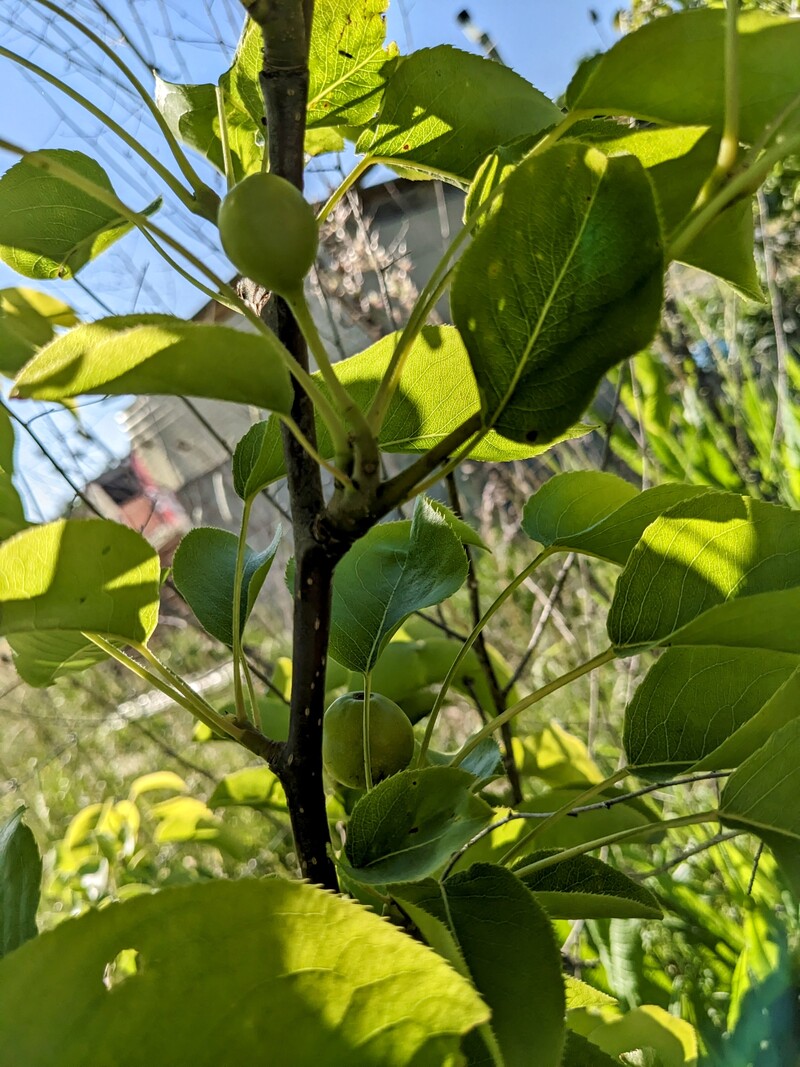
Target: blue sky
[541,39]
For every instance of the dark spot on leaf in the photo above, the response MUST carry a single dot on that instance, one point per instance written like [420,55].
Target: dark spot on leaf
[414,830]
[531,435]
[347,55]
[406,147]
[106,550]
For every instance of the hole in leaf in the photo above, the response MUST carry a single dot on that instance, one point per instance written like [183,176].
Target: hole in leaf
[125,965]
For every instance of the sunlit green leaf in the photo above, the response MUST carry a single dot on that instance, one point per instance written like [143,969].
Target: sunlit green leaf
[338,985]
[557,287]
[162,355]
[711,553]
[347,62]
[447,109]
[673,1040]
[81,575]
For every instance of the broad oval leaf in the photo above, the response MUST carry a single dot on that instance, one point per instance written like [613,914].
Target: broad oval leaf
[586,888]
[508,946]
[447,109]
[673,71]
[48,228]
[693,700]
[20,883]
[162,355]
[27,321]
[77,576]
[557,287]
[336,984]
[395,569]
[706,553]
[406,828]
[204,569]
[436,393]
[347,62]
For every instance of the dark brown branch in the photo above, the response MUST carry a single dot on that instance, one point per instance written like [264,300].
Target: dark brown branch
[285,25]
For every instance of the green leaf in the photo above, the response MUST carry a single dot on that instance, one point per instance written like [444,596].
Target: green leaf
[463,531]
[79,575]
[581,995]
[542,327]
[347,62]
[579,1052]
[437,392]
[714,551]
[484,762]
[508,946]
[12,515]
[406,828]
[597,513]
[254,787]
[337,985]
[41,657]
[50,229]
[586,888]
[761,796]
[395,569]
[678,162]
[694,700]
[556,756]
[447,109]
[27,321]
[204,569]
[20,881]
[673,1040]
[162,355]
[779,709]
[192,113]
[672,71]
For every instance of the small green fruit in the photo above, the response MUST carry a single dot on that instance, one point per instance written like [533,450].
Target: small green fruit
[391,739]
[269,232]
